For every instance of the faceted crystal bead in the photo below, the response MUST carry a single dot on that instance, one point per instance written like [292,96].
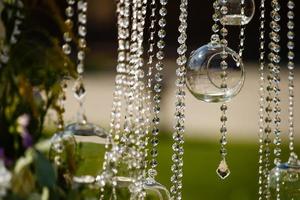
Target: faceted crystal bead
[82,31]
[205,72]
[69,11]
[82,6]
[233,15]
[82,18]
[67,37]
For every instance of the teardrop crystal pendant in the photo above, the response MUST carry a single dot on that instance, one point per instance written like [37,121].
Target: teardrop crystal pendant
[223,170]
[288,176]
[233,13]
[205,73]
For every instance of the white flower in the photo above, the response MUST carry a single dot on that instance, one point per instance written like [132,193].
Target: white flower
[5,178]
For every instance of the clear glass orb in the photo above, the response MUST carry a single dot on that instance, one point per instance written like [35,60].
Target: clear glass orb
[231,12]
[289,180]
[155,190]
[205,76]
[125,187]
[91,141]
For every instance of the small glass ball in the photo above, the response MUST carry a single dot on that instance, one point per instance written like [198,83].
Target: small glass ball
[207,73]
[79,150]
[234,15]
[90,149]
[125,189]
[288,175]
[155,190]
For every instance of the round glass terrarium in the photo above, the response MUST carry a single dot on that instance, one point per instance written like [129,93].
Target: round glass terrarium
[205,74]
[90,148]
[231,12]
[81,147]
[288,177]
[125,190]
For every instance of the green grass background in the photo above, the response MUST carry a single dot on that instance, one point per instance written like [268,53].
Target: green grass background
[200,162]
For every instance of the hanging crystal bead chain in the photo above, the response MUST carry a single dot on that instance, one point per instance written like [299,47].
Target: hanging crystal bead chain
[223,170]
[79,88]
[66,47]
[242,30]
[142,123]
[215,38]
[5,48]
[112,148]
[274,61]
[291,66]
[261,178]
[179,127]
[158,77]
[151,49]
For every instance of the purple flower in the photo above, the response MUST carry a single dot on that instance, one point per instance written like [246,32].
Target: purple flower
[27,140]
[23,122]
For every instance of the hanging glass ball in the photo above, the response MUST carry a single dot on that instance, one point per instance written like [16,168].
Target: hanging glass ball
[288,177]
[206,73]
[125,189]
[231,12]
[155,190]
[90,149]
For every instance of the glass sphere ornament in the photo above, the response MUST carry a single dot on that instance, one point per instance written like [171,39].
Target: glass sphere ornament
[90,148]
[126,188]
[231,12]
[205,73]
[155,190]
[288,177]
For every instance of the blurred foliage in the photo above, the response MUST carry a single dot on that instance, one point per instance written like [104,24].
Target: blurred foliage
[30,86]
[30,81]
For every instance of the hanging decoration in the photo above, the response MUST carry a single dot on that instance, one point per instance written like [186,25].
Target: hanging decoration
[215,73]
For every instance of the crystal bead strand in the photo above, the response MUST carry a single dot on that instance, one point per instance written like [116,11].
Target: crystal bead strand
[79,88]
[215,38]
[141,109]
[141,122]
[274,58]
[242,30]
[67,49]
[13,39]
[113,150]
[261,179]
[179,127]
[223,170]
[151,56]
[158,87]
[291,66]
